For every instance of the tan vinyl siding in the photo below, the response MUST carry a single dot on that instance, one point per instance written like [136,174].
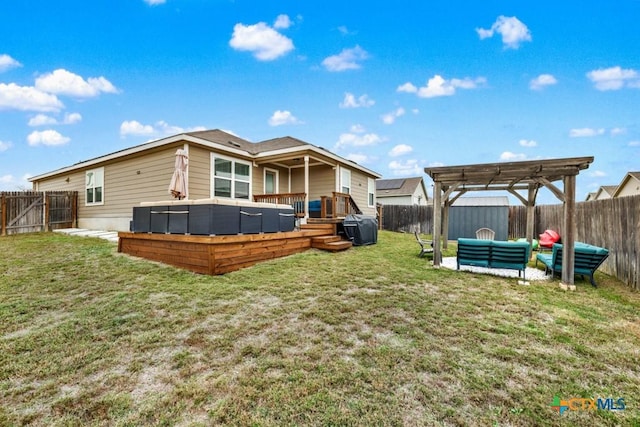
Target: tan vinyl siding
[321,181]
[631,188]
[258,178]
[199,173]
[360,192]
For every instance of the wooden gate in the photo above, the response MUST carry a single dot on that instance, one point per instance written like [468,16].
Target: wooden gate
[32,211]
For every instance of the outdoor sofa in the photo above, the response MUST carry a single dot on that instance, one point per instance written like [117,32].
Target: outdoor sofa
[494,254]
[587,259]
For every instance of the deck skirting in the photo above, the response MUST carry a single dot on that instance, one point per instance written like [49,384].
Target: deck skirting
[216,254]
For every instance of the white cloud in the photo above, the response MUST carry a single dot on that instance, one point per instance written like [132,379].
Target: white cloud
[264,42]
[4,146]
[63,82]
[618,131]
[407,87]
[359,158]
[513,31]
[438,86]
[511,157]
[358,128]
[542,81]
[345,31]
[281,117]
[350,101]
[27,98]
[46,137]
[585,132]
[391,117]
[400,150]
[6,179]
[528,143]
[160,128]
[614,78]
[155,2]
[358,140]
[134,127]
[597,174]
[72,118]
[634,144]
[44,120]
[348,59]
[7,63]
[282,22]
[408,168]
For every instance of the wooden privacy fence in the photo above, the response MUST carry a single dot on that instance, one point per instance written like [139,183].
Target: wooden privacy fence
[32,211]
[610,223]
[407,218]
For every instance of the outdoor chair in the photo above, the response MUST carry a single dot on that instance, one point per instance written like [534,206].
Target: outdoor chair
[425,246]
[485,234]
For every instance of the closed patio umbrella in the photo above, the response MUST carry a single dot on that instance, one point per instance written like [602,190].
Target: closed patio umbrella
[178,185]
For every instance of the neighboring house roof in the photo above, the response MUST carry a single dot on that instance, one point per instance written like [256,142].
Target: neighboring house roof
[591,196]
[606,189]
[630,176]
[482,201]
[221,141]
[399,187]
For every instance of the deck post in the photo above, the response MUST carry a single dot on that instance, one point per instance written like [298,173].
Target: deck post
[306,187]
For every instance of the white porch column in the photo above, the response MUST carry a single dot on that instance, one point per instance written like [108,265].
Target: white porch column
[306,187]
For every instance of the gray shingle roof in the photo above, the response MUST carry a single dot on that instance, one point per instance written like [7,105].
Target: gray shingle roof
[393,187]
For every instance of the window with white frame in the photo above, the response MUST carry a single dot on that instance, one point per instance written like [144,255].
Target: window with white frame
[371,184]
[231,178]
[94,187]
[345,180]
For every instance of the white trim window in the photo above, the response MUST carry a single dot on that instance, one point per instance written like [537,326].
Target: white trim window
[230,178]
[345,180]
[271,179]
[94,187]
[371,192]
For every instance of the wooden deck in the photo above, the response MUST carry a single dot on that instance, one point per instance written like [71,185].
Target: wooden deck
[222,254]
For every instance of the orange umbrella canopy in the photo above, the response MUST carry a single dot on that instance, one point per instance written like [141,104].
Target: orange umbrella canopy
[178,185]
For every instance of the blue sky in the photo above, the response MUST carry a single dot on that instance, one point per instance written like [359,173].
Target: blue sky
[396,86]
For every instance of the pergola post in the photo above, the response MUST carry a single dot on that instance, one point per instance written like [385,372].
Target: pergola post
[437,212]
[445,223]
[531,210]
[568,241]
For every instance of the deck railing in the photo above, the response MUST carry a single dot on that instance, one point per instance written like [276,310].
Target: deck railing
[338,205]
[296,200]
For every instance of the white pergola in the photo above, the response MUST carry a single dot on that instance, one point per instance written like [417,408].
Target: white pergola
[451,182]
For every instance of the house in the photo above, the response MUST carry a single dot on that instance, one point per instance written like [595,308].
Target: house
[629,186]
[402,191]
[591,196]
[605,192]
[220,165]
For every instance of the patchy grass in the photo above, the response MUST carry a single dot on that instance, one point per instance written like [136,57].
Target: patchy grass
[370,336]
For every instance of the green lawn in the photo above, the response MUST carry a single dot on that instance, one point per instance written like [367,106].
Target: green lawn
[370,336]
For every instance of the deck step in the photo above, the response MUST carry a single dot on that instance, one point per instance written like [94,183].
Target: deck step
[330,243]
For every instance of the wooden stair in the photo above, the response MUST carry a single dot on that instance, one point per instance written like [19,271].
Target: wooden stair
[330,243]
